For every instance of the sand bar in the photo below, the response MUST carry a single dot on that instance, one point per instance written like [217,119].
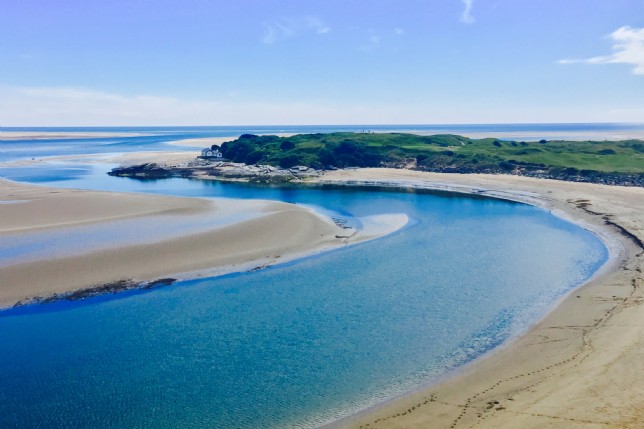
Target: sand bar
[203,142]
[595,135]
[582,366]
[277,232]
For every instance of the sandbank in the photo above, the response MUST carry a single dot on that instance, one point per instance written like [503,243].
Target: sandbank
[276,232]
[203,142]
[581,366]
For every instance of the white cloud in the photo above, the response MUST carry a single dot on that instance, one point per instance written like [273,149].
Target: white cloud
[628,48]
[278,30]
[60,106]
[55,106]
[275,31]
[64,106]
[317,25]
[466,16]
[399,31]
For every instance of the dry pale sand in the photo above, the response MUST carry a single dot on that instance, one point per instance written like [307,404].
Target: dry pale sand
[162,157]
[538,135]
[51,135]
[202,142]
[209,141]
[580,367]
[278,232]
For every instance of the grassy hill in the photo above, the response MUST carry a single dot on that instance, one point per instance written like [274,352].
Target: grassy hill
[615,162]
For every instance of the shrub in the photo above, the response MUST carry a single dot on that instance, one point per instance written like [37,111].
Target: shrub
[507,166]
[289,161]
[287,145]
[607,152]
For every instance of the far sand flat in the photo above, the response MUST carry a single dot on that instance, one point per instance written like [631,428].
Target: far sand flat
[55,135]
[279,232]
[580,367]
[203,142]
[538,135]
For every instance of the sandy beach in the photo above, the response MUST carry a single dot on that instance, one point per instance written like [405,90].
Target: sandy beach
[276,232]
[579,367]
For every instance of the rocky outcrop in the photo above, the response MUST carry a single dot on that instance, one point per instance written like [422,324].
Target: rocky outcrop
[224,170]
[204,168]
[92,291]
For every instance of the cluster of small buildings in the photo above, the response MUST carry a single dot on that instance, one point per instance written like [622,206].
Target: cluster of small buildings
[211,153]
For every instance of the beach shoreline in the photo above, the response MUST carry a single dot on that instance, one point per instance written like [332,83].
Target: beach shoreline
[539,378]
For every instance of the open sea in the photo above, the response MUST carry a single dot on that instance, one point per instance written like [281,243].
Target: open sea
[294,345]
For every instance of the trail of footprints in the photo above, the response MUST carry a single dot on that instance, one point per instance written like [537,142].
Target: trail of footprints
[493,406]
[585,350]
[427,400]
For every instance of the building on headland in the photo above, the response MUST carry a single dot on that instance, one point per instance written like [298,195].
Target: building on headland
[211,153]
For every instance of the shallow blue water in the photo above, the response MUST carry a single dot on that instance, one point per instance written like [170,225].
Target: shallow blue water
[298,344]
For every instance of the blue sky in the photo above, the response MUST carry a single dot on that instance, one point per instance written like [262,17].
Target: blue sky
[212,62]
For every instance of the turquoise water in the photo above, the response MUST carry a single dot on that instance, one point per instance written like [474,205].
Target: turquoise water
[298,344]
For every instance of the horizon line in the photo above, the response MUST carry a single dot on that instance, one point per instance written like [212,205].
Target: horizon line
[329,125]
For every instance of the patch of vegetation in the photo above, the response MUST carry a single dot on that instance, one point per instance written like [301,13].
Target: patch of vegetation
[443,152]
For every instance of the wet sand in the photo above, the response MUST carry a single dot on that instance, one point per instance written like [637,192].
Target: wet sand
[581,366]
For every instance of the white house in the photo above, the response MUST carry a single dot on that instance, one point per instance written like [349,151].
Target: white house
[211,153]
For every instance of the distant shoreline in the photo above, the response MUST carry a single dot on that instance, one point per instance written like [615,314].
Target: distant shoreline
[62,135]
[523,131]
